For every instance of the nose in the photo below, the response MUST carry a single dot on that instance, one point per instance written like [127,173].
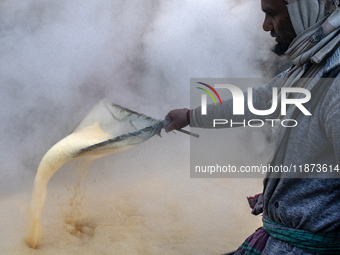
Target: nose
[267,24]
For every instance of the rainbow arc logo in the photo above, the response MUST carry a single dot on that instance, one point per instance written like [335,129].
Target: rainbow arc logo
[209,93]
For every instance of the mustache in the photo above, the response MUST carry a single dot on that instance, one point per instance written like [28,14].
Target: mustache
[274,34]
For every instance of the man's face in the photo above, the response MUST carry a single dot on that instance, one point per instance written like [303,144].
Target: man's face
[277,21]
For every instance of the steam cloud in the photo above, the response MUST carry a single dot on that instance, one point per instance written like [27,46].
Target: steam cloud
[58,58]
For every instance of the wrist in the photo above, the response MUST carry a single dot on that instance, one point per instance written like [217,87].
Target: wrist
[188,116]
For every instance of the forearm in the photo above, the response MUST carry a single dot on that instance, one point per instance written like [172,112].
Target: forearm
[262,100]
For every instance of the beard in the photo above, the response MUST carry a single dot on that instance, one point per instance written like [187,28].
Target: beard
[280,48]
[282,45]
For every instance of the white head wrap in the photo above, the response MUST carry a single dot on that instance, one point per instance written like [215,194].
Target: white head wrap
[317,25]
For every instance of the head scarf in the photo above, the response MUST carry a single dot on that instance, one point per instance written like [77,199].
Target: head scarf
[317,25]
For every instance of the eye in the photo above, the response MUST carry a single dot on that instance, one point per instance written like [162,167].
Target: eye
[270,14]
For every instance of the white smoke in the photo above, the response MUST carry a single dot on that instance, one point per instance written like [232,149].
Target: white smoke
[58,58]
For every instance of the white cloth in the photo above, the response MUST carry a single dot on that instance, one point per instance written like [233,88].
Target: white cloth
[317,25]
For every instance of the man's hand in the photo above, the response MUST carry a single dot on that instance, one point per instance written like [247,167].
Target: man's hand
[178,119]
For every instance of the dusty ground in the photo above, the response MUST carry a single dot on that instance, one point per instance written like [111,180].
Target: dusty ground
[144,207]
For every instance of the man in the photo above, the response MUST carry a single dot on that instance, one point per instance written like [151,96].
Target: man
[300,215]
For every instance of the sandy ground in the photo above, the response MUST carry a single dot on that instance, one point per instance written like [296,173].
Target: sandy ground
[142,207]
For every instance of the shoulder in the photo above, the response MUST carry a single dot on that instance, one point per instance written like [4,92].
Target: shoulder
[331,101]
[277,80]
[331,98]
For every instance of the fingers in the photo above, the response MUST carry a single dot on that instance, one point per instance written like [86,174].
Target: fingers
[178,119]
[169,127]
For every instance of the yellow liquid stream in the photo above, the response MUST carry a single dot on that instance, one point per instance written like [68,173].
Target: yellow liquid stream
[57,156]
